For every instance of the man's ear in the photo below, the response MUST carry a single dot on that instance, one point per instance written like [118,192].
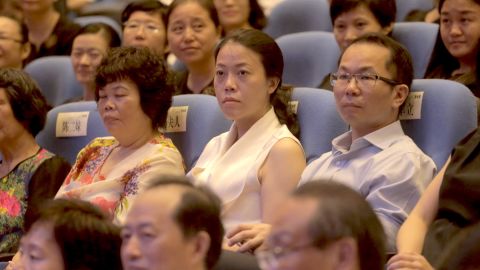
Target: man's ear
[401,92]
[387,29]
[200,246]
[346,254]
[26,49]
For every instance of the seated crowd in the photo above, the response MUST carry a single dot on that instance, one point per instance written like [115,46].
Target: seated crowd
[375,201]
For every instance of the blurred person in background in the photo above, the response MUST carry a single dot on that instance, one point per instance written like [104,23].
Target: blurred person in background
[90,46]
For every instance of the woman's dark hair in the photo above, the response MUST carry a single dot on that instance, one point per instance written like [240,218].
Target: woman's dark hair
[383,10]
[442,63]
[28,104]
[84,234]
[272,60]
[148,6]
[147,71]
[257,18]
[206,4]
[110,35]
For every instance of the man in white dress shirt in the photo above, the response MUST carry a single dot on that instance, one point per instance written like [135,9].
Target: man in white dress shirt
[375,157]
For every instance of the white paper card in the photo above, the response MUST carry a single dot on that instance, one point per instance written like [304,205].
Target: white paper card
[413,107]
[72,124]
[177,119]
[293,106]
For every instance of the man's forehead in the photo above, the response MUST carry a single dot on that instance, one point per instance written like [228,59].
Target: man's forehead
[167,196]
[294,216]
[365,55]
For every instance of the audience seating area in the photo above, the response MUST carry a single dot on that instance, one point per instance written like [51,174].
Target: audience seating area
[445,106]
[437,114]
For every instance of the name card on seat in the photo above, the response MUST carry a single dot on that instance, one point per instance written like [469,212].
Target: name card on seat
[293,106]
[72,124]
[177,119]
[412,108]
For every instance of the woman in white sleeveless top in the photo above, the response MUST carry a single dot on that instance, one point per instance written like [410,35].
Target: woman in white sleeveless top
[259,161]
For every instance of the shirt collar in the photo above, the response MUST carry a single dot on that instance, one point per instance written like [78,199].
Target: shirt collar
[381,138]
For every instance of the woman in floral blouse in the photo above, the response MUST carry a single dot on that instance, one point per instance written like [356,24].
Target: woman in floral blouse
[133,96]
[29,174]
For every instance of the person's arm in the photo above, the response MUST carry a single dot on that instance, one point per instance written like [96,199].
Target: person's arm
[393,186]
[412,233]
[278,176]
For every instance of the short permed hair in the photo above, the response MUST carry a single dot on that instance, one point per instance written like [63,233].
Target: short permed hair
[147,71]
[28,104]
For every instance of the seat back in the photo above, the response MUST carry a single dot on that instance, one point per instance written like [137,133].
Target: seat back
[56,78]
[405,6]
[319,120]
[68,147]
[84,20]
[204,120]
[419,38]
[448,114]
[308,57]
[293,16]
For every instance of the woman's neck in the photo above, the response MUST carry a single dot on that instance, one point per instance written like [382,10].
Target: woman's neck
[243,125]
[200,76]
[89,91]
[132,143]
[467,65]
[18,149]
[40,25]
[232,28]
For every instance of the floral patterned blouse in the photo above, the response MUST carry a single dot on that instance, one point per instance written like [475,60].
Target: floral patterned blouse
[35,179]
[114,191]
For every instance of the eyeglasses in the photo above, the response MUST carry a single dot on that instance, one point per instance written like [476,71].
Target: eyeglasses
[135,25]
[363,80]
[268,259]
[4,38]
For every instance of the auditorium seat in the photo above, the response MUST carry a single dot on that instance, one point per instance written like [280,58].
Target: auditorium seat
[448,112]
[419,38]
[204,120]
[308,57]
[319,120]
[56,78]
[68,147]
[293,16]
